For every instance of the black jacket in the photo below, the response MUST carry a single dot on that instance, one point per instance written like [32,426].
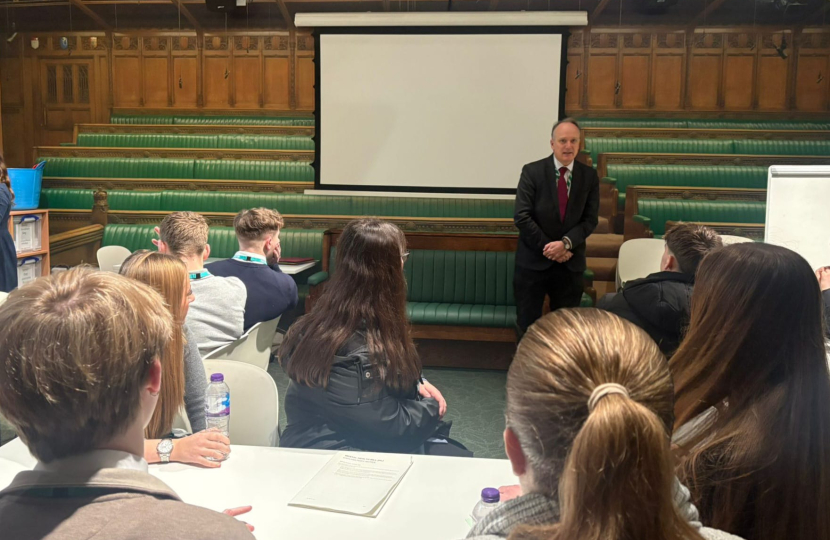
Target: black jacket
[826,296]
[356,411]
[659,304]
[537,213]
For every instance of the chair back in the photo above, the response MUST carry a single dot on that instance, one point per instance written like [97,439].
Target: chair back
[729,239]
[3,296]
[111,256]
[638,258]
[255,404]
[253,347]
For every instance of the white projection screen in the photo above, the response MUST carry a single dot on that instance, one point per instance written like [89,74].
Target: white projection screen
[445,110]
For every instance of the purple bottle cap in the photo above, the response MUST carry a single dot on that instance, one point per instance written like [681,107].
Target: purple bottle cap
[490,495]
[217,377]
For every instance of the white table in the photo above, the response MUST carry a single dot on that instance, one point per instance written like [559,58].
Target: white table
[638,258]
[289,269]
[432,501]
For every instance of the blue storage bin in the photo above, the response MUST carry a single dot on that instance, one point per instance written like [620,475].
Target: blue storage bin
[26,186]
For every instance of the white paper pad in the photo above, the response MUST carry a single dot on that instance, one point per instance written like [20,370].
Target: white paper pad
[357,484]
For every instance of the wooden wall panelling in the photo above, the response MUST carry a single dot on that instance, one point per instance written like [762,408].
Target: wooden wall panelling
[705,89]
[603,70]
[739,70]
[186,73]
[635,68]
[812,51]
[574,74]
[669,70]
[157,72]
[127,71]
[247,72]
[773,74]
[14,124]
[276,72]
[216,71]
[304,71]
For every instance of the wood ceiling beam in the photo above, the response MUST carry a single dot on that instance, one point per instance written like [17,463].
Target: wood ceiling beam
[285,14]
[706,12]
[91,14]
[598,10]
[189,16]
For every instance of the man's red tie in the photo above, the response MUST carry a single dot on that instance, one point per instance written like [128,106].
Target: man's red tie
[563,193]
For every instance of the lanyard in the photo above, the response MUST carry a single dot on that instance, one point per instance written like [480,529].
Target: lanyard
[249,258]
[201,274]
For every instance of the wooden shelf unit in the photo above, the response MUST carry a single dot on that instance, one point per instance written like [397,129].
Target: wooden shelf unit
[43,252]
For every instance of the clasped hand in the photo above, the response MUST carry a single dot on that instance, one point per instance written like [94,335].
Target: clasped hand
[556,251]
[823,276]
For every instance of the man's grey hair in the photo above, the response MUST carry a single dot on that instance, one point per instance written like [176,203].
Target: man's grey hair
[567,120]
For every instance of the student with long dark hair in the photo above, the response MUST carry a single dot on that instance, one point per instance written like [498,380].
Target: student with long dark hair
[588,423]
[8,253]
[753,391]
[355,373]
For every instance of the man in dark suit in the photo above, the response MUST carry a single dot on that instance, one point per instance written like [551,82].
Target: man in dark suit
[557,203]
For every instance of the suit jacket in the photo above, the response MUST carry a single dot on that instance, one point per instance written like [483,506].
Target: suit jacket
[537,214]
[116,504]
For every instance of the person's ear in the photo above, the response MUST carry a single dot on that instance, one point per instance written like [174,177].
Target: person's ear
[154,377]
[206,252]
[514,452]
[551,144]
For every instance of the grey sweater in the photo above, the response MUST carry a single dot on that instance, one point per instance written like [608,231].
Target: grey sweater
[195,383]
[217,315]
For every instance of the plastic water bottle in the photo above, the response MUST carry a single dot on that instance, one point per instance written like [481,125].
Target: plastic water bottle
[489,502]
[218,407]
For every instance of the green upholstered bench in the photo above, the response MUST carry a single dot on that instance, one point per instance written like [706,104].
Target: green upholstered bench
[600,145]
[621,176]
[171,168]
[195,140]
[285,203]
[702,123]
[783,148]
[220,120]
[470,290]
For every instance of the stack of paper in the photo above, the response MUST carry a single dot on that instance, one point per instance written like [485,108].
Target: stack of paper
[357,484]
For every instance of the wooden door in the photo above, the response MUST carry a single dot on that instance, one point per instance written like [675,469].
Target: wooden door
[66,96]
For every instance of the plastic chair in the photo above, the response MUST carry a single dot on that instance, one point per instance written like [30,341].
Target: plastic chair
[3,296]
[253,347]
[111,256]
[255,403]
[729,239]
[638,258]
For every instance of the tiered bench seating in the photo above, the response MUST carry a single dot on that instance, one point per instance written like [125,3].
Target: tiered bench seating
[704,123]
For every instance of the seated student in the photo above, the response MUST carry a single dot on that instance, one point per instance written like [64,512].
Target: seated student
[659,303]
[217,315]
[823,275]
[597,464]
[270,292]
[80,375]
[752,389]
[353,366]
[183,371]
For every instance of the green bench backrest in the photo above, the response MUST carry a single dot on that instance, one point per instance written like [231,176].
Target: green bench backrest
[599,145]
[456,277]
[218,120]
[784,148]
[686,176]
[662,210]
[285,203]
[222,240]
[251,169]
[691,123]
[195,140]
[118,167]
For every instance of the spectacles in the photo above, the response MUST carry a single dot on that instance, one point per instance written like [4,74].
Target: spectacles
[404,256]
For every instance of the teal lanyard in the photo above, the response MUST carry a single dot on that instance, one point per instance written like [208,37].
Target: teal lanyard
[249,258]
[201,274]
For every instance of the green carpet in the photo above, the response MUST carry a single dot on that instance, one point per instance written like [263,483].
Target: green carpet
[475,404]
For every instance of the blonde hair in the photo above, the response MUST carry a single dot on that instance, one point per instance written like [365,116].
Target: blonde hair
[167,275]
[255,223]
[75,349]
[4,177]
[611,467]
[185,233]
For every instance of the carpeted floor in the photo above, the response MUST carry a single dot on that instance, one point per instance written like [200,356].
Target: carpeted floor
[475,404]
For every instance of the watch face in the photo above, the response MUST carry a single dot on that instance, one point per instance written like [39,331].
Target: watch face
[165,446]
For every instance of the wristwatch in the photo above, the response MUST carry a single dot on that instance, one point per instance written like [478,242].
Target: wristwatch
[165,448]
[567,242]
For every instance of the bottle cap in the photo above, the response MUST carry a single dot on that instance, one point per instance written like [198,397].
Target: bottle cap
[490,495]
[217,377]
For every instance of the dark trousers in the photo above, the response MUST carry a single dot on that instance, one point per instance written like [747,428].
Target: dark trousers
[562,286]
